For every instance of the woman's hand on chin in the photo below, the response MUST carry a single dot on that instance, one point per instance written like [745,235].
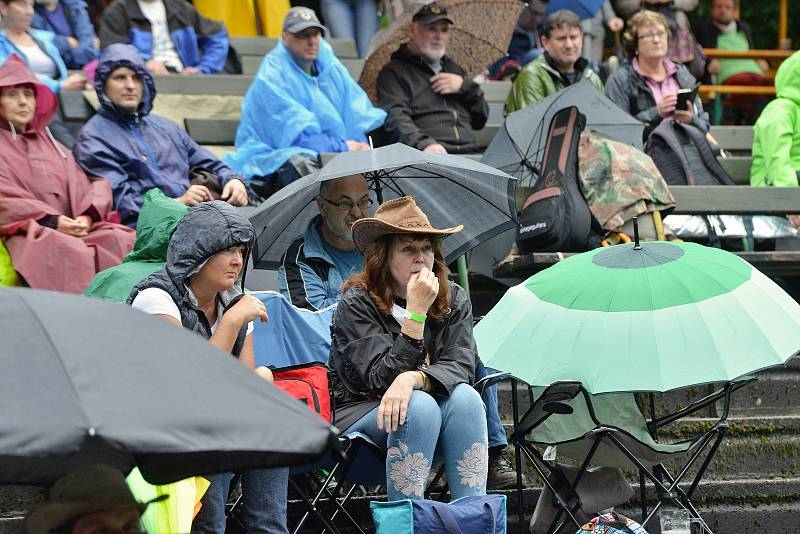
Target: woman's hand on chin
[421,291]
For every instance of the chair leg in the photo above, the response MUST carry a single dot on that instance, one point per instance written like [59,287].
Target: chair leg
[643,493]
[518,459]
[312,509]
[340,506]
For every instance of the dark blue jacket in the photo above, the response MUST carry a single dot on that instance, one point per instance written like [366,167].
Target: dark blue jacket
[199,42]
[137,152]
[82,30]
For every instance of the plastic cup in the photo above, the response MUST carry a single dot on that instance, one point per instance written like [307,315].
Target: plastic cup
[674,522]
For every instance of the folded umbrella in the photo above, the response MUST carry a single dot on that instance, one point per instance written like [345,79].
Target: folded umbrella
[451,190]
[85,381]
[655,318]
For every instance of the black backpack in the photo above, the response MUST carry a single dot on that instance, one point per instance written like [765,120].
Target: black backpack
[556,217]
[683,155]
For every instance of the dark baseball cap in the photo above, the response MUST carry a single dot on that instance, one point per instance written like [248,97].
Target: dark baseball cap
[301,18]
[430,13]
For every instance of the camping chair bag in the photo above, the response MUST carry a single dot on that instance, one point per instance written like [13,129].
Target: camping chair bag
[307,383]
[556,217]
[484,514]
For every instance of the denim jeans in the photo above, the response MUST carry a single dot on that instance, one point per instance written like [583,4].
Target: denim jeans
[352,19]
[449,429]
[497,434]
[264,495]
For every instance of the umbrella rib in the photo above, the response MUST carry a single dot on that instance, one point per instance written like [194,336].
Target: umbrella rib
[437,175]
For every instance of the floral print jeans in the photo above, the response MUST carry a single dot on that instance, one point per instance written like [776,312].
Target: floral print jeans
[449,430]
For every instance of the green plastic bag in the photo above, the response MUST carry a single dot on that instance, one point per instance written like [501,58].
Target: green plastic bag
[8,276]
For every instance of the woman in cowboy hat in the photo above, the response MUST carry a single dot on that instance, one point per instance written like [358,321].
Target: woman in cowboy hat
[403,355]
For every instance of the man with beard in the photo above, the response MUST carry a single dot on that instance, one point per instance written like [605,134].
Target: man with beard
[560,66]
[315,265]
[431,104]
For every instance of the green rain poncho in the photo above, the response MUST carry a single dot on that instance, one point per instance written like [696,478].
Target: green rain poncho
[157,220]
[776,134]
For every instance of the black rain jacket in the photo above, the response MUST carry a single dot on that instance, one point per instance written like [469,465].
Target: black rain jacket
[368,352]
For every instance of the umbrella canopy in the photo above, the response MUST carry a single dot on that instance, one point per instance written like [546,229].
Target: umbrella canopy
[585,9]
[518,146]
[618,319]
[479,36]
[451,190]
[85,381]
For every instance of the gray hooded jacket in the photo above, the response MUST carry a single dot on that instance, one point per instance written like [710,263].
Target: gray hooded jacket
[207,229]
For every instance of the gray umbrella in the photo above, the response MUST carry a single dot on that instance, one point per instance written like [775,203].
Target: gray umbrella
[518,147]
[451,190]
[85,381]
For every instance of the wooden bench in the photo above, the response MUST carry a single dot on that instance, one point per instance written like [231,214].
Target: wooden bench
[259,46]
[734,139]
[701,200]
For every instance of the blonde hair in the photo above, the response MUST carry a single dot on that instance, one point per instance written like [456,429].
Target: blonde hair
[642,18]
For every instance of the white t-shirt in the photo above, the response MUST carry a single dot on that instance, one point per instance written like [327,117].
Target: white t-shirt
[163,48]
[156,301]
[39,62]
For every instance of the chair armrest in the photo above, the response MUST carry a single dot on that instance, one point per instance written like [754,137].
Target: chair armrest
[552,400]
[490,380]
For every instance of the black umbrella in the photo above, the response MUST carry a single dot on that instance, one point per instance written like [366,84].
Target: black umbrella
[518,147]
[451,190]
[85,381]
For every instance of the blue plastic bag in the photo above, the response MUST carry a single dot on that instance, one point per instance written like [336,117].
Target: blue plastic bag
[484,514]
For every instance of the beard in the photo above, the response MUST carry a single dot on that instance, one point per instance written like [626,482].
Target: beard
[433,54]
[347,235]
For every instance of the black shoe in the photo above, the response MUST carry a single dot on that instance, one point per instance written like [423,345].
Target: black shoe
[501,475]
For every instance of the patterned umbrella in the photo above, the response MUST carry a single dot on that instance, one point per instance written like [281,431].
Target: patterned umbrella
[660,317]
[480,35]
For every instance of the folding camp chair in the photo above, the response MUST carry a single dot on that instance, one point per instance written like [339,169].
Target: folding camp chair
[611,430]
[292,337]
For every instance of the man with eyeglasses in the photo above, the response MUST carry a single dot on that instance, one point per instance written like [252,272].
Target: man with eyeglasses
[560,66]
[315,265]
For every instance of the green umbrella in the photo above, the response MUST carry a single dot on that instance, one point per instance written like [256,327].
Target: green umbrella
[654,317]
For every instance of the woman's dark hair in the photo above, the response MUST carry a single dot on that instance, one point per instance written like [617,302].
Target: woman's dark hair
[376,279]
[630,38]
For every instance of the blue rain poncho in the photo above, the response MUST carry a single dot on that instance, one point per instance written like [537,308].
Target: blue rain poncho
[285,107]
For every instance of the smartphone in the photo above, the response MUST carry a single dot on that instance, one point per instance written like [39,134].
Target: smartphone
[686,95]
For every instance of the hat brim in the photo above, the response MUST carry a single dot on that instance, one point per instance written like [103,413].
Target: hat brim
[427,21]
[48,516]
[306,25]
[367,230]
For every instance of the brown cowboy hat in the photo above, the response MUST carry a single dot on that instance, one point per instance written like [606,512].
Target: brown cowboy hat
[93,489]
[397,216]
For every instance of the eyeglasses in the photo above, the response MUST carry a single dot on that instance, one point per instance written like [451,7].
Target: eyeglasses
[652,36]
[347,204]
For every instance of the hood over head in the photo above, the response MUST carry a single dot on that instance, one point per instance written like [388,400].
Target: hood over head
[205,230]
[157,221]
[15,72]
[787,79]
[123,55]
